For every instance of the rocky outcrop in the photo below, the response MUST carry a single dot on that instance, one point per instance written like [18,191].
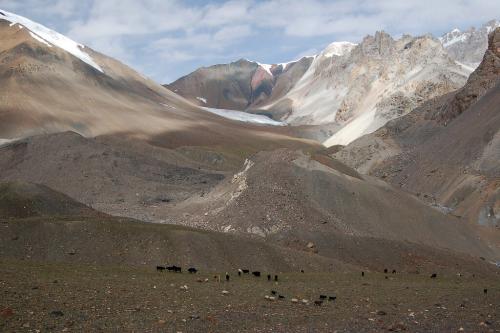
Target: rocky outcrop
[446,151]
[486,76]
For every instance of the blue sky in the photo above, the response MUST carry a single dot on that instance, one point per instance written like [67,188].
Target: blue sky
[165,39]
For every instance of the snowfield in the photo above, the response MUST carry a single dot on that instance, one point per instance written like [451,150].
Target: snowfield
[245,117]
[50,37]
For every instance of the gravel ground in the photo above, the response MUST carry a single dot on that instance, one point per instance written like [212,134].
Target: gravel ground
[42,297]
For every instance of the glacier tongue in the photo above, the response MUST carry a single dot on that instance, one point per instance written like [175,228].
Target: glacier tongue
[48,36]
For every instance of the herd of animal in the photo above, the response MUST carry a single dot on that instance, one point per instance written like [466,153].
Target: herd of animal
[270,277]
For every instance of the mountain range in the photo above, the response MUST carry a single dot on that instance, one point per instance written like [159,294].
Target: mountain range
[86,125]
[346,90]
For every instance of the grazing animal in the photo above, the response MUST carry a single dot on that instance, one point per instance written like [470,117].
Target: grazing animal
[192,270]
[393,271]
[239,273]
[322,296]
[217,278]
[276,278]
[318,303]
[177,269]
[433,276]
[170,268]
[160,268]
[302,271]
[273,292]
[268,277]
[362,273]
[281,297]
[332,298]
[485,291]
[256,274]
[385,270]
[245,271]
[386,277]
[227,277]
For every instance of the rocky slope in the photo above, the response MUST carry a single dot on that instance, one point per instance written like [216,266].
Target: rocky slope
[447,151]
[239,85]
[378,80]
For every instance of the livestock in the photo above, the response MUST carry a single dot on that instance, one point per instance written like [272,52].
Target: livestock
[227,276]
[433,276]
[245,271]
[256,273]
[332,298]
[276,278]
[268,277]
[160,268]
[318,303]
[322,296]
[192,270]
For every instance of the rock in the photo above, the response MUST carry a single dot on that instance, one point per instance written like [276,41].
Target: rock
[6,312]
[57,313]
[225,292]
[310,245]
[294,300]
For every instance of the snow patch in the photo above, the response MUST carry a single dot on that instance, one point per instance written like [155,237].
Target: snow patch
[50,36]
[201,99]
[266,67]
[41,40]
[244,117]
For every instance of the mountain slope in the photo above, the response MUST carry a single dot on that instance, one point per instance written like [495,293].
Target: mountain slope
[446,151]
[380,79]
[47,89]
[239,85]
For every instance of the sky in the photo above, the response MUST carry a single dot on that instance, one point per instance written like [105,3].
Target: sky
[166,39]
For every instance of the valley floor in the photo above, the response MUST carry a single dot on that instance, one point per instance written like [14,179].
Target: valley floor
[81,298]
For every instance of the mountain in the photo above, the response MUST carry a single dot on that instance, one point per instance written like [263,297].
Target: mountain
[126,146]
[378,80]
[52,84]
[467,47]
[446,152]
[239,85]
[343,92]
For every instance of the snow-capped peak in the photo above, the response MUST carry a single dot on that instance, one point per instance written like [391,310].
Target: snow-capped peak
[338,49]
[453,37]
[266,67]
[50,37]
